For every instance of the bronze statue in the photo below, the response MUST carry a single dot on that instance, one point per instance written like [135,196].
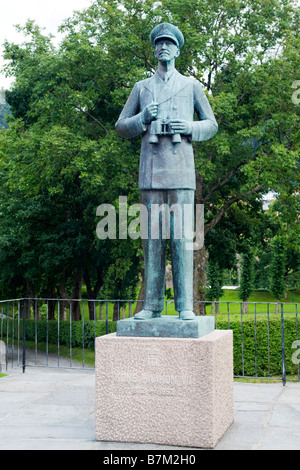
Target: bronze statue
[161,109]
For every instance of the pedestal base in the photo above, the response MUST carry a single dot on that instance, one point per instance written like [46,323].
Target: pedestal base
[167,326]
[169,391]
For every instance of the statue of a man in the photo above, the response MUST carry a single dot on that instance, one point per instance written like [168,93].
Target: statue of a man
[161,109]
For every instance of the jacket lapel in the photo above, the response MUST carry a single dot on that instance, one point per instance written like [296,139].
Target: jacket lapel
[163,92]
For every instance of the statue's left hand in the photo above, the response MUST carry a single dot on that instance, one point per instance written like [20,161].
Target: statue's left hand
[180,126]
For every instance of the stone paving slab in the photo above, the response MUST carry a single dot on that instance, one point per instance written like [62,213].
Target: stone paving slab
[53,409]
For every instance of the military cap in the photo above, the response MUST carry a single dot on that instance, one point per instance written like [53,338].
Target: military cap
[167,30]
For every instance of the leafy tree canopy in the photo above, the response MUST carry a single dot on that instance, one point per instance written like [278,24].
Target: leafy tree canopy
[60,157]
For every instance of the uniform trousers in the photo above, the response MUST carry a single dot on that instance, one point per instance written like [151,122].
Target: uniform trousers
[170,216]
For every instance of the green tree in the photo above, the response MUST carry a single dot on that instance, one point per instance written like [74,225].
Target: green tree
[215,280]
[245,54]
[247,277]
[277,268]
[56,160]
[232,48]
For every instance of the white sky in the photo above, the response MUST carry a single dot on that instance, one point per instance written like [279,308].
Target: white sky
[48,14]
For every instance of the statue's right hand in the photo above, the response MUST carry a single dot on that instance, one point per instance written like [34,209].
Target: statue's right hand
[150,112]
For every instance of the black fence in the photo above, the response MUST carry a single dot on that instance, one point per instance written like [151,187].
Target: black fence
[61,333]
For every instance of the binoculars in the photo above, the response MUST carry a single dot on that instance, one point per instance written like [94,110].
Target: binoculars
[162,127]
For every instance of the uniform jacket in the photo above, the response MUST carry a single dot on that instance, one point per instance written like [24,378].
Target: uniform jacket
[165,165]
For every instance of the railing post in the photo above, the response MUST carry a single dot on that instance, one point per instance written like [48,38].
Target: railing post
[283,348]
[24,337]
[106,317]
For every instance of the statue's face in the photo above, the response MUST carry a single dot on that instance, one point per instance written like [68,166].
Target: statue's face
[166,50]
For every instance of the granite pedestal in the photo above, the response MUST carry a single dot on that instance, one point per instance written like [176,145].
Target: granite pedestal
[169,391]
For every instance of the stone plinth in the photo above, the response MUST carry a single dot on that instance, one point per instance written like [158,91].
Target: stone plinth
[168,326]
[169,391]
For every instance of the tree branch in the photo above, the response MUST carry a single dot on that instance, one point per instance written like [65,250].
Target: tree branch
[87,113]
[229,203]
[224,181]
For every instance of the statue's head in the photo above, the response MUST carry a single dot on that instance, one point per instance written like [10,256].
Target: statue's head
[167,31]
[167,40]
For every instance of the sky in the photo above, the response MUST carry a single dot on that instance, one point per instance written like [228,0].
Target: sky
[48,14]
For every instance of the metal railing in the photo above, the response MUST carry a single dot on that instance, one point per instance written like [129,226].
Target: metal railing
[62,332]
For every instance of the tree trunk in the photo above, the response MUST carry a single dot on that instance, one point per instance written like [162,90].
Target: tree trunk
[29,294]
[217,306]
[123,312]
[76,294]
[141,297]
[65,304]
[245,307]
[199,281]
[116,311]
[51,309]
[92,309]
[92,293]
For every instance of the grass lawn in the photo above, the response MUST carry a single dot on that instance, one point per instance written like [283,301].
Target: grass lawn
[231,296]
[257,296]
[293,296]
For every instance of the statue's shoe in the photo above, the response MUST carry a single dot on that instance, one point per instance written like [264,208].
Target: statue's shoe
[146,315]
[186,315]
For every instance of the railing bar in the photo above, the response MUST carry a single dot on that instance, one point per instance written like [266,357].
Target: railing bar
[35,332]
[19,316]
[228,318]
[13,337]
[242,337]
[268,329]
[283,348]
[94,322]
[7,336]
[47,359]
[24,337]
[71,311]
[2,320]
[106,318]
[83,333]
[255,339]
[58,331]
[297,336]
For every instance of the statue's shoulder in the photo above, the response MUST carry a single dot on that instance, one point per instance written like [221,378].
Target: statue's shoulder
[145,83]
[187,80]
[183,77]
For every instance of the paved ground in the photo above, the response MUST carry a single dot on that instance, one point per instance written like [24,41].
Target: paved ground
[53,409]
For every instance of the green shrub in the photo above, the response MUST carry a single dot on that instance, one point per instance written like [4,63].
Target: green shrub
[67,334]
[261,340]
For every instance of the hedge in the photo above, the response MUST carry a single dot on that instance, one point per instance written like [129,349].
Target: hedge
[251,357]
[41,329]
[255,357]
